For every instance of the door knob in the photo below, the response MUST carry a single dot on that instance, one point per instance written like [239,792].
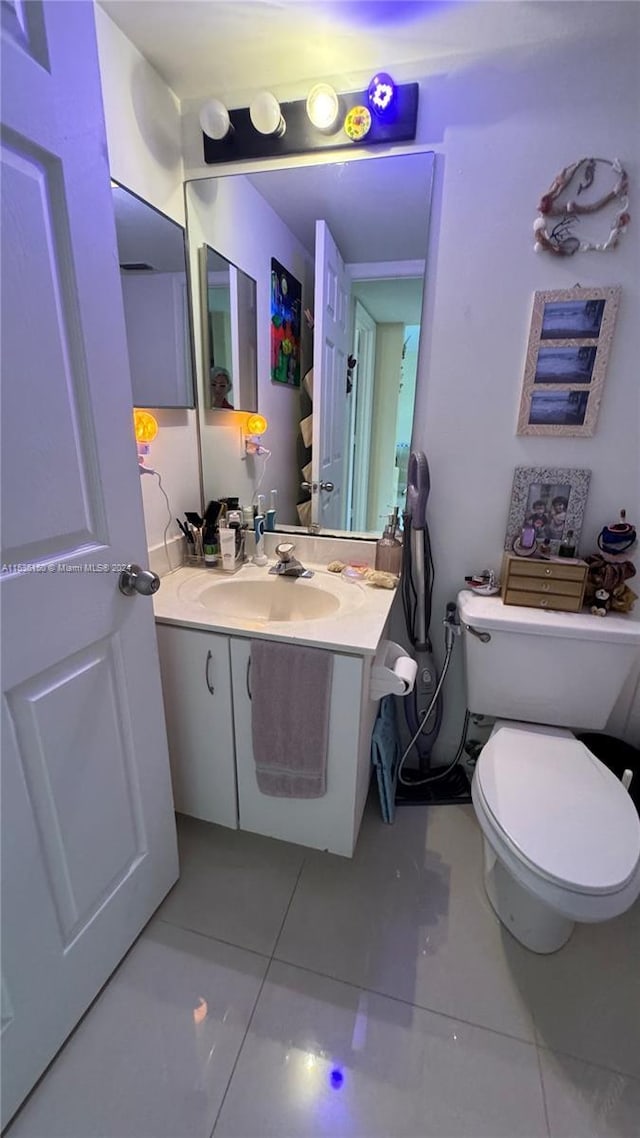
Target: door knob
[327,486]
[133,579]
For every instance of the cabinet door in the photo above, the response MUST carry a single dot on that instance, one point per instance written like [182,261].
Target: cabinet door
[196,683]
[327,823]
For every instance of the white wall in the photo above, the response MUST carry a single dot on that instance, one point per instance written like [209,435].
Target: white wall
[506,126]
[382,470]
[219,213]
[143,136]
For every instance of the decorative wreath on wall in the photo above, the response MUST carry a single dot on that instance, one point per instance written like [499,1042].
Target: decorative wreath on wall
[560,238]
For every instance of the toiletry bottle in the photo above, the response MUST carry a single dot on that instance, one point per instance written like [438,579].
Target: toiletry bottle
[270,517]
[389,550]
[259,557]
[568,545]
[228,548]
[211,548]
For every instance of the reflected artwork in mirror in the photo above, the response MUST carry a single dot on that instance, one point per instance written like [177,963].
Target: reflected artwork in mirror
[153,274]
[354,234]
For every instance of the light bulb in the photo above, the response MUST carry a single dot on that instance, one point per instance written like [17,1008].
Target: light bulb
[382,95]
[144,425]
[322,106]
[214,119]
[256,425]
[266,115]
[357,123]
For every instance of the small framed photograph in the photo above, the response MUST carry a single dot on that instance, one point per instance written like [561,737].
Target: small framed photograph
[566,362]
[551,500]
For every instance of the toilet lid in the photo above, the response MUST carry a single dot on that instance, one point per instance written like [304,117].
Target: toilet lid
[560,808]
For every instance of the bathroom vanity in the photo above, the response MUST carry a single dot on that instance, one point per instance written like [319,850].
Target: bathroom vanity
[206,621]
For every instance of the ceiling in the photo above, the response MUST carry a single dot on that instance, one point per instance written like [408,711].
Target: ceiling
[230,48]
[396,301]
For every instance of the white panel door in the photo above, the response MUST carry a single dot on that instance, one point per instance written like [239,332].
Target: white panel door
[88,834]
[330,350]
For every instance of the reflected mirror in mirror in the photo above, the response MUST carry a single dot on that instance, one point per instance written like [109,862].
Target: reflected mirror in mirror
[228,326]
[354,235]
[153,274]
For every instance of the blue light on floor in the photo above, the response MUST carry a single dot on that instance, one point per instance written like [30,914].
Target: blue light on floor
[336,1078]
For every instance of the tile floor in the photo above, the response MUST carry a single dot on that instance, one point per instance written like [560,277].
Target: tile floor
[279,991]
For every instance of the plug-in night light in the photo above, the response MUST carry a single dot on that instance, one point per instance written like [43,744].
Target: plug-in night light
[256,425]
[144,425]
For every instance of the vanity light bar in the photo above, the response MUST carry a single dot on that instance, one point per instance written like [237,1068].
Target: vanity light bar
[302,137]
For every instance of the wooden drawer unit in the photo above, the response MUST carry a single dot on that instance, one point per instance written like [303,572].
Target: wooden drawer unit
[555,584]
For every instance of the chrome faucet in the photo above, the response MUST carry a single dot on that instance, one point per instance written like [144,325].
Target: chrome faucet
[286,565]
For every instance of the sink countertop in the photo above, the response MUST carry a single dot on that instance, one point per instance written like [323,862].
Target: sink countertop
[356,627]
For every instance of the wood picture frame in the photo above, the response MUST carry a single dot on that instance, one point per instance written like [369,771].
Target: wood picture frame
[566,361]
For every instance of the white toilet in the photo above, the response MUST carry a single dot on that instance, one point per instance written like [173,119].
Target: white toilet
[561,833]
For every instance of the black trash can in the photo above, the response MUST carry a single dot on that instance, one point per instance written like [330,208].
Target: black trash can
[617,756]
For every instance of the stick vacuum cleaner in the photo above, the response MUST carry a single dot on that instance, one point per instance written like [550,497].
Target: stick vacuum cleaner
[423,706]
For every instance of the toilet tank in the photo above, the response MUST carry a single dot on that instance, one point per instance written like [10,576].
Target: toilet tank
[545,667]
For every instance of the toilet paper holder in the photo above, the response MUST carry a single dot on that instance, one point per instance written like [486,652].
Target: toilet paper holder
[393,671]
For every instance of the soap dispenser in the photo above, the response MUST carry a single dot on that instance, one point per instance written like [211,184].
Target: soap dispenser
[389,548]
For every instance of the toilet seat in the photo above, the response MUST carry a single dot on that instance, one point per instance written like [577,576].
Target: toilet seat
[553,808]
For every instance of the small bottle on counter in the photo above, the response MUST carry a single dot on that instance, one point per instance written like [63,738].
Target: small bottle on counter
[389,549]
[210,546]
[567,546]
[228,548]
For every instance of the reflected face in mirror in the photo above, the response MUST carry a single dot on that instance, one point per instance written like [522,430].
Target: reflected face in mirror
[153,274]
[220,389]
[353,235]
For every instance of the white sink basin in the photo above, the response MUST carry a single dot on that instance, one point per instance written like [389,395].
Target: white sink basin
[270,599]
[325,610]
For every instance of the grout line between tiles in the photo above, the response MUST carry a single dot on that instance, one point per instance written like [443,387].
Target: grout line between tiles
[216,939]
[407,1003]
[544,1093]
[293,893]
[257,1000]
[588,1062]
[235,1064]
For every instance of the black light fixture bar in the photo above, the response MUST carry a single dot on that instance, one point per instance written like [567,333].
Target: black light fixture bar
[302,137]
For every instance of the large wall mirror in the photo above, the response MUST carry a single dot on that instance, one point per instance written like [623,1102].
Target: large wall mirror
[351,238]
[153,273]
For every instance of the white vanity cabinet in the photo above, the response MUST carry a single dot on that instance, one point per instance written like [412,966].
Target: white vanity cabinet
[196,684]
[207,692]
[331,822]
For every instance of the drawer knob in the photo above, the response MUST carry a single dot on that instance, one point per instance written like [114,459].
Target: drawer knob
[543,603]
[545,586]
[548,572]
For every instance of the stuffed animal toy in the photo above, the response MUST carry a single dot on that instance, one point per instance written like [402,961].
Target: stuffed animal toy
[608,573]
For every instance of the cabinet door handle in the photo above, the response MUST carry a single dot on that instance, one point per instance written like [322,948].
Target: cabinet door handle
[206,673]
[248,678]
